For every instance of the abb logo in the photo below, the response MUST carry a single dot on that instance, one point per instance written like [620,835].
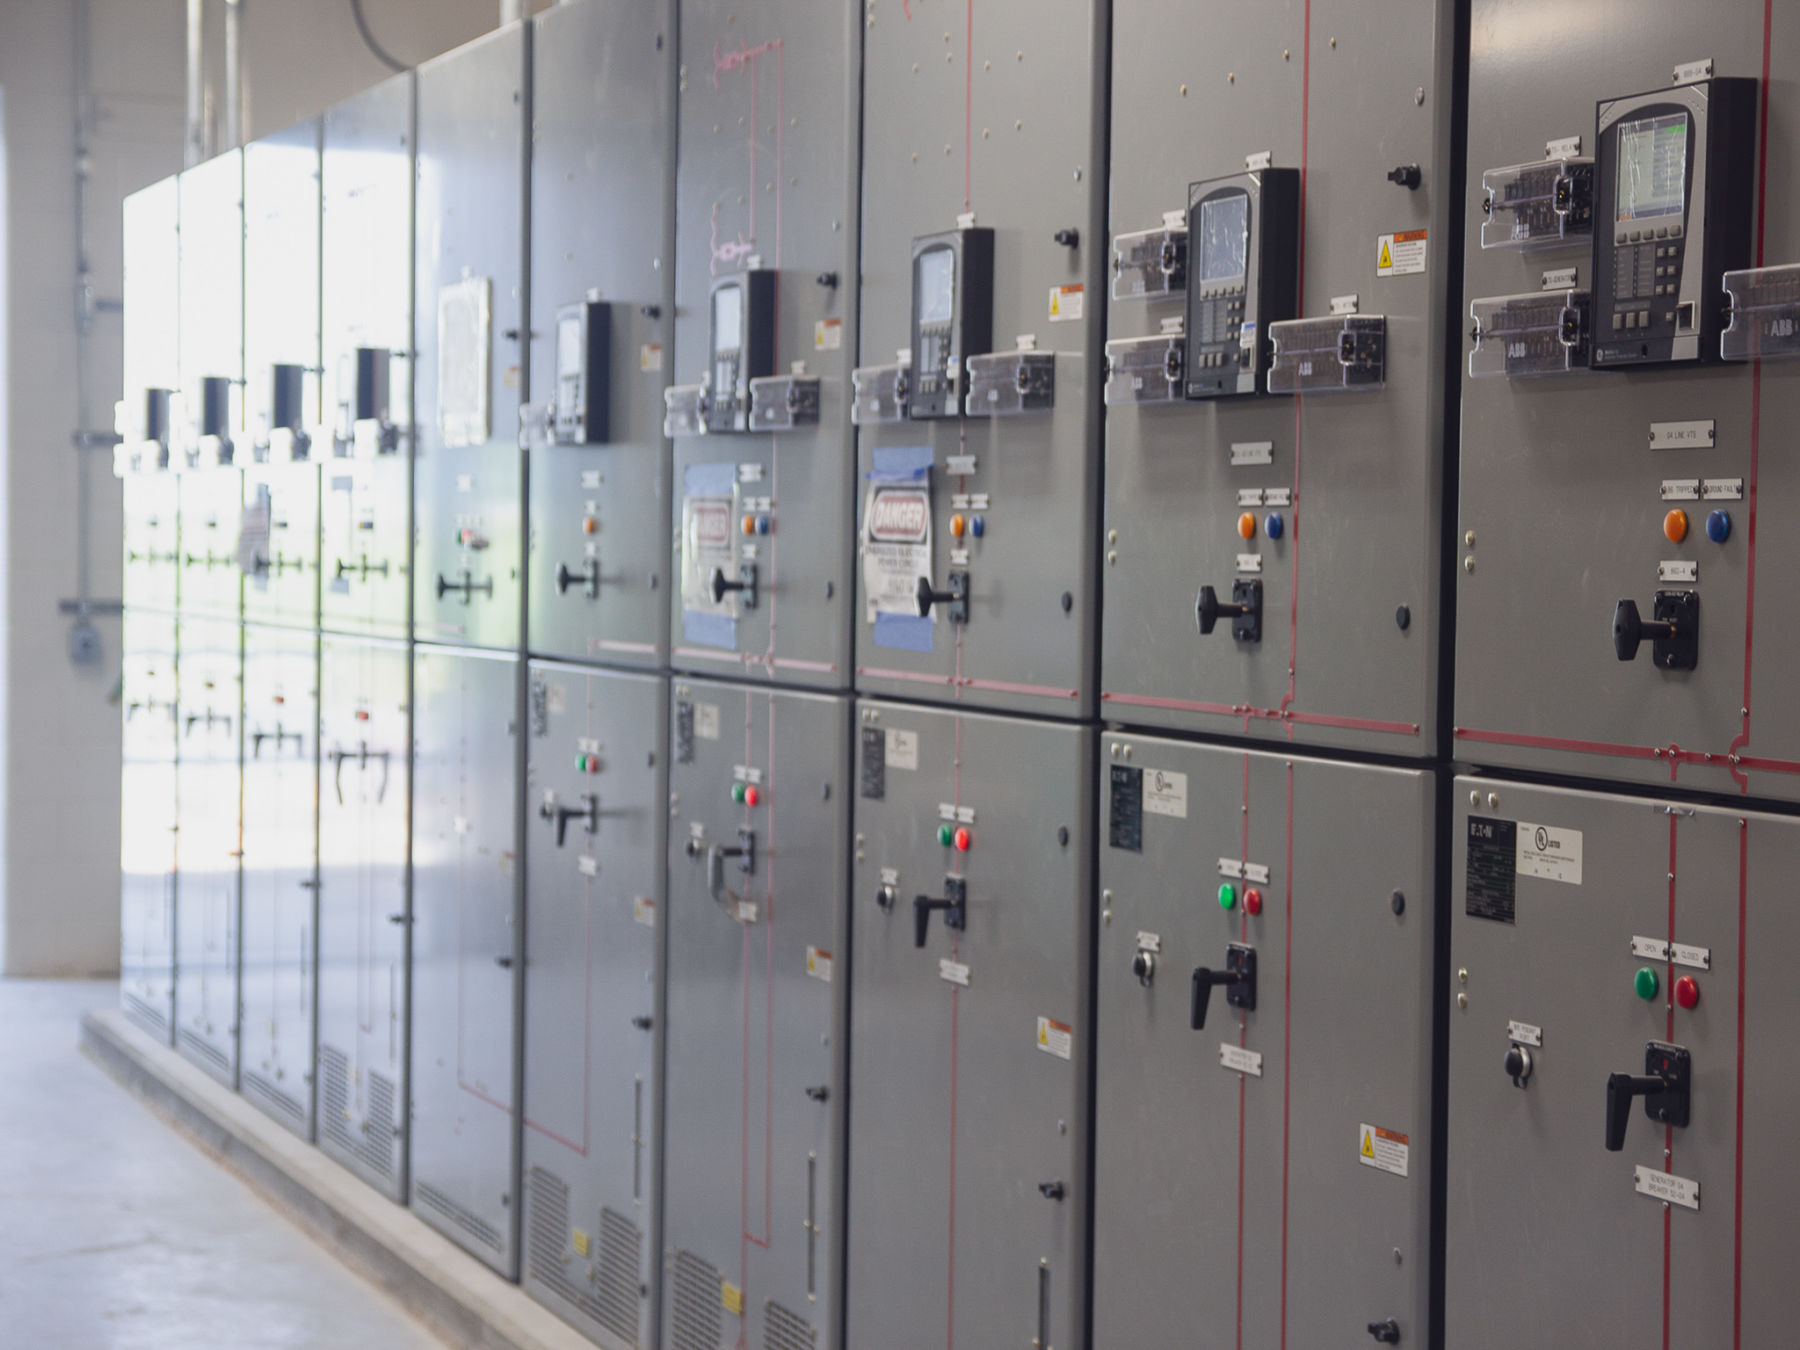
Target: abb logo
[900,517]
[711,524]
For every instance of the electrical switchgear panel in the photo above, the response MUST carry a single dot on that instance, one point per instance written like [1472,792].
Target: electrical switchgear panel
[466,950]
[756,1040]
[1619,1084]
[603,284]
[1271,564]
[151,738]
[209,722]
[366,253]
[1674,180]
[971,1029]
[596,812]
[280,876]
[952,315]
[365,916]
[1243,240]
[471,337]
[1250,941]
[767,284]
[986,265]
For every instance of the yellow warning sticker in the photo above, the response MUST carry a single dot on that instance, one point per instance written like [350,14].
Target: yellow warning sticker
[643,910]
[1401,254]
[818,964]
[1067,303]
[1384,1150]
[650,356]
[828,335]
[732,1297]
[579,1240]
[1055,1038]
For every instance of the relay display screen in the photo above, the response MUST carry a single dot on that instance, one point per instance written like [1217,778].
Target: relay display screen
[937,286]
[1652,167]
[728,319]
[1224,237]
[568,346]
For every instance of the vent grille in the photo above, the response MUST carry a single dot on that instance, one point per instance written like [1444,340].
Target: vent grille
[466,1219]
[281,1105]
[370,1143]
[785,1329]
[612,1301]
[697,1310]
[205,1051]
[147,1015]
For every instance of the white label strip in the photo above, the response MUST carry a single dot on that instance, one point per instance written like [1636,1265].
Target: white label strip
[1695,435]
[1250,496]
[1700,958]
[1722,489]
[959,464]
[1567,148]
[965,815]
[1667,1187]
[1278,496]
[588,867]
[1559,279]
[1523,1033]
[1249,564]
[1252,452]
[750,473]
[1548,851]
[1343,304]
[953,971]
[1240,1060]
[1681,489]
[890,876]
[1650,949]
[1678,569]
[1149,942]
[1257,872]
[1231,867]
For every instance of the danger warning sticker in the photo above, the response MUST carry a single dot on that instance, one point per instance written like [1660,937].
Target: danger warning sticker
[1066,303]
[1056,1038]
[818,964]
[1382,1149]
[1398,255]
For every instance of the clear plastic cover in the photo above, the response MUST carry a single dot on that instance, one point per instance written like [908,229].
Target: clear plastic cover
[782,402]
[1535,205]
[1765,314]
[1149,263]
[1145,369]
[537,425]
[881,393]
[1540,333]
[1336,352]
[684,410]
[1003,383]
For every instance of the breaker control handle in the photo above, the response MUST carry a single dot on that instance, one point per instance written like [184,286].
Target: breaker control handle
[746,582]
[954,903]
[956,598]
[1244,609]
[589,810]
[1629,629]
[1674,629]
[1664,1086]
[588,578]
[1238,979]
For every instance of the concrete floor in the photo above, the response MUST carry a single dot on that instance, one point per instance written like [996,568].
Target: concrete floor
[118,1234]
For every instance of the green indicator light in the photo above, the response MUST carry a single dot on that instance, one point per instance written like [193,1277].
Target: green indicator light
[1227,896]
[1646,983]
[737,792]
[581,763]
[946,835]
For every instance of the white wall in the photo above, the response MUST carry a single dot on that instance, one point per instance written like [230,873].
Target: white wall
[59,722]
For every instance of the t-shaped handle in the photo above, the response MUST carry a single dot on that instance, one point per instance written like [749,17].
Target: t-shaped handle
[1665,1086]
[1238,979]
[1210,608]
[954,902]
[588,578]
[746,582]
[956,599]
[1620,1089]
[1630,629]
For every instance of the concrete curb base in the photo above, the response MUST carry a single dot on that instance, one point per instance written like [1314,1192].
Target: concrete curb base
[457,1297]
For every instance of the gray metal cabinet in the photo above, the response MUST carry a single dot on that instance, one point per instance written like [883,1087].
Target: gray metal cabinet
[1270,1169]
[997,123]
[366,338]
[768,202]
[971,1032]
[596,794]
[209,714]
[757,972]
[364,818]
[465,950]
[280,872]
[602,288]
[1598,941]
[147,820]
[474,106]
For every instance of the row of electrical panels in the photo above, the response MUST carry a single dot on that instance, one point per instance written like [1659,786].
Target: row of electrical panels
[739,710]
